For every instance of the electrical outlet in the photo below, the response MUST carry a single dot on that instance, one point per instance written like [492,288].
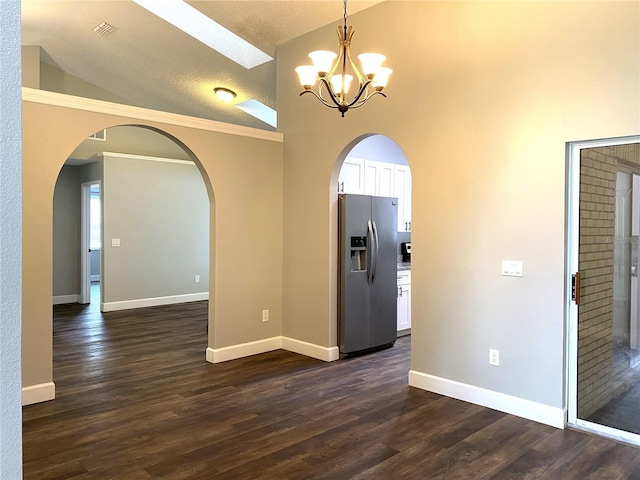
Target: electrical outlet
[265,315]
[494,357]
[196,279]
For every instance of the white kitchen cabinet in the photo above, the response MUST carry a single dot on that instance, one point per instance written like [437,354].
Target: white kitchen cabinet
[378,179]
[402,190]
[351,178]
[404,301]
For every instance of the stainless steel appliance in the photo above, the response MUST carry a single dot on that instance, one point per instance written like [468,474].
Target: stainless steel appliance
[367,308]
[405,250]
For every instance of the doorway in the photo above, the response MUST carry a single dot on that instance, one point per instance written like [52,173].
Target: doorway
[603,231]
[376,165]
[91,242]
[131,184]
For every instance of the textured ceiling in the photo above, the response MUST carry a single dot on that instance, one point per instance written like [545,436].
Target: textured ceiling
[152,64]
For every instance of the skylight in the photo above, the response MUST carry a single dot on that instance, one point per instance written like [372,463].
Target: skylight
[205,30]
[260,111]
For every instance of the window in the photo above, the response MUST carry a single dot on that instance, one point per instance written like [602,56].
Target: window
[95,220]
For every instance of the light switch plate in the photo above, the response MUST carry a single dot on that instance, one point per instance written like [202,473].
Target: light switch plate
[512,268]
[115,242]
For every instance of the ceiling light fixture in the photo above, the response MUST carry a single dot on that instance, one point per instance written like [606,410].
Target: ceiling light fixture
[224,94]
[334,77]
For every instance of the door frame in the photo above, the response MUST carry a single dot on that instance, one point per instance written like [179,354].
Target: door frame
[85,239]
[571,266]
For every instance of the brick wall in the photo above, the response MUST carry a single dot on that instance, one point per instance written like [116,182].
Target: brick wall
[598,168]
[595,313]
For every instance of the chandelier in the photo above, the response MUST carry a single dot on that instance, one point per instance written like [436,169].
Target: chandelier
[329,70]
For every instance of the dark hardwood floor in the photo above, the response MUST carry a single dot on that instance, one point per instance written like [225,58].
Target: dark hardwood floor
[622,412]
[136,400]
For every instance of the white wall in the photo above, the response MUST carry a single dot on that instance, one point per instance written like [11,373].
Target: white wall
[10,242]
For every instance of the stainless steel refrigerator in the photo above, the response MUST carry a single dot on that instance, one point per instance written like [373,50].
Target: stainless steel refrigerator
[367,305]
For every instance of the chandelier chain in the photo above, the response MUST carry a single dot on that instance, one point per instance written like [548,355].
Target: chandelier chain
[345,13]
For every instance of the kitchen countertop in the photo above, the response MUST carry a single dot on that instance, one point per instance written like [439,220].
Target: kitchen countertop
[404,266]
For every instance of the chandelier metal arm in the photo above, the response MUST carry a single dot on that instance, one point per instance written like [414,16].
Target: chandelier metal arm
[344,107]
[332,95]
[366,99]
[362,90]
[324,102]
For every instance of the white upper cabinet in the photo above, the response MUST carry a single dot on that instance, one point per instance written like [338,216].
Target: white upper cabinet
[379,179]
[351,178]
[402,190]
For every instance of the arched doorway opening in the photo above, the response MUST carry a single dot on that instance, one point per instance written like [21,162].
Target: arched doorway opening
[374,165]
[153,241]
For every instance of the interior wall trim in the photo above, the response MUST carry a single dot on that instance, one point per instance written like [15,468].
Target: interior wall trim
[232,352]
[62,299]
[41,392]
[153,302]
[99,106]
[326,354]
[520,407]
[131,156]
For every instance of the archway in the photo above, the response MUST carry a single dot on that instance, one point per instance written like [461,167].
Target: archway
[245,167]
[152,193]
[374,165]
[154,200]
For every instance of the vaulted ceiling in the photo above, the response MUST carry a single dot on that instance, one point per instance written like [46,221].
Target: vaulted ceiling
[149,63]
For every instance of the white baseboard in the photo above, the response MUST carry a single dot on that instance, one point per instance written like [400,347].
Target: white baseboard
[327,354]
[95,278]
[217,355]
[38,393]
[153,302]
[517,406]
[62,299]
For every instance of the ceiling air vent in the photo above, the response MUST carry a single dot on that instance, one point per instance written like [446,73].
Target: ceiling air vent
[104,29]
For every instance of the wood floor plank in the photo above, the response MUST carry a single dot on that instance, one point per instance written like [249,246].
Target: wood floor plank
[136,400]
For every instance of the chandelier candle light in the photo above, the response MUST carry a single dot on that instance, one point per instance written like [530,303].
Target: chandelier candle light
[331,71]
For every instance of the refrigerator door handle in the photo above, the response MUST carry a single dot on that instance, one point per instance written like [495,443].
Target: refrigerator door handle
[370,247]
[376,251]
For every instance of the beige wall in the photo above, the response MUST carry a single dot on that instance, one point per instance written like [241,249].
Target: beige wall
[481,106]
[30,57]
[243,175]
[483,99]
